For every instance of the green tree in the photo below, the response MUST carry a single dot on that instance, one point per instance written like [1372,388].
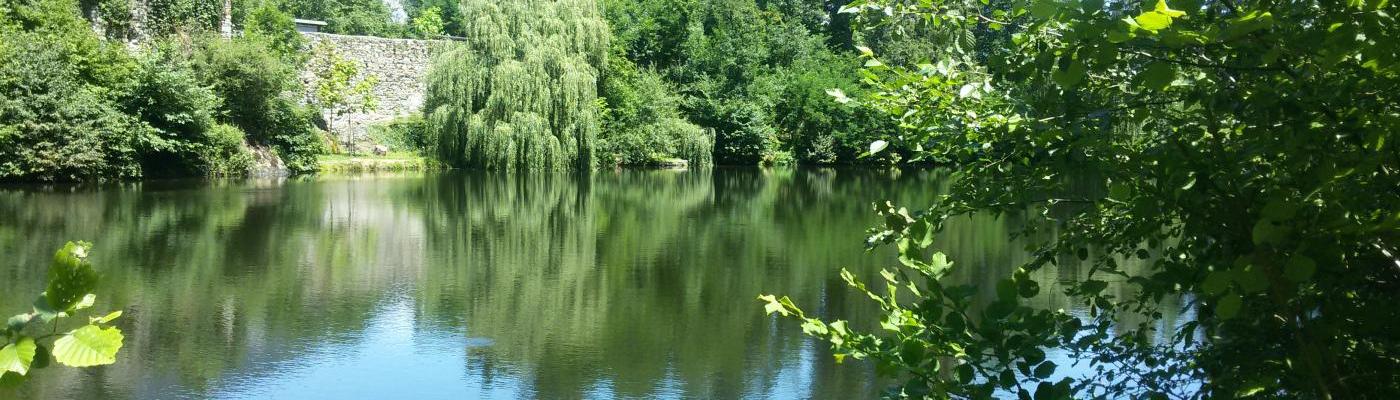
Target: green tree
[256,87]
[59,86]
[521,92]
[428,24]
[277,28]
[1241,151]
[341,88]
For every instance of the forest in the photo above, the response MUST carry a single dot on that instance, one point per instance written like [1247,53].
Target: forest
[1210,186]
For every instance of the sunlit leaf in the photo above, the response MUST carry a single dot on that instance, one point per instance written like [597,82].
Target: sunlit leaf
[106,318]
[88,346]
[1162,8]
[1153,21]
[16,357]
[878,145]
[71,277]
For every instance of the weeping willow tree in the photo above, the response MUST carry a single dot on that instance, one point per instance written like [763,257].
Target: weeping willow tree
[521,91]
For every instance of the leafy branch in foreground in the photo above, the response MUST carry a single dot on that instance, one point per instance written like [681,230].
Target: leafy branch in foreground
[71,281]
[1229,162]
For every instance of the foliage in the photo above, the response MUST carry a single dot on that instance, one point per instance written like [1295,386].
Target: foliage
[58,114]
[350,17]
[755,74]
[277,29]
[71,282]
[448,13]
[521,92]
[642,121]
[1238,159]
[184,17]
[428,24]
[408,133]
[340,87]
[224,153]
[179,110]
[256,86]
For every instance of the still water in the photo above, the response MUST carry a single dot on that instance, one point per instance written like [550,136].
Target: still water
[622,284]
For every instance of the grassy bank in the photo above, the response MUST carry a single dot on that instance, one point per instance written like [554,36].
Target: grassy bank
[393,162]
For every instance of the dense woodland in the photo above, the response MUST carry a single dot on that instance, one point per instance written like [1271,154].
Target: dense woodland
[1231,160]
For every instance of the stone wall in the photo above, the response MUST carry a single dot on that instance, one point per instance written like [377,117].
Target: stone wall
[400,65]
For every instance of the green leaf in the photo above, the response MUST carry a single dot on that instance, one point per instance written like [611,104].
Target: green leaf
[1164,10]
[1252,279]
[1216,282]
[1249,391]
[88,346]
[1006,290]
[41,357]
[968,90]
[17,356]
[1229,306]
[1070,74]
[44,310]
[71,277]
[771,305]
[1300,268]
[86,302]
[1153,21]
[1045,369]
[1028,288]
[106,318]
[964,373]
[1044,9]
[1157,76]
[1007,379]
[18,322]
[11,379]
[1267,232]
[878,145]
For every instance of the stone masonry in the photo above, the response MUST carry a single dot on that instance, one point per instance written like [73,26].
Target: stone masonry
[400,65]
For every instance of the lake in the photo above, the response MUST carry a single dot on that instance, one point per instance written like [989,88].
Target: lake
[621,284]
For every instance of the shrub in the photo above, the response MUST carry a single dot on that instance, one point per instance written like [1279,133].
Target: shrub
[406,133]
[169,98]
[58,117]
[224,152]
[745,135]
[642,122]
[255,85]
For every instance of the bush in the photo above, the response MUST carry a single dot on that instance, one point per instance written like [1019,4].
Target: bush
[407,133]
[745,135]
[642,122]
[168,97]
[255,86]
[224,152]
[58,83]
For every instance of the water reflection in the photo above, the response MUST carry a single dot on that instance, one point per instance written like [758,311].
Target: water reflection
[625,284]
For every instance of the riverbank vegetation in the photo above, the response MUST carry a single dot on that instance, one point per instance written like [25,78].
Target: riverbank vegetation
[732,82]
[78,106]
[1236,155]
